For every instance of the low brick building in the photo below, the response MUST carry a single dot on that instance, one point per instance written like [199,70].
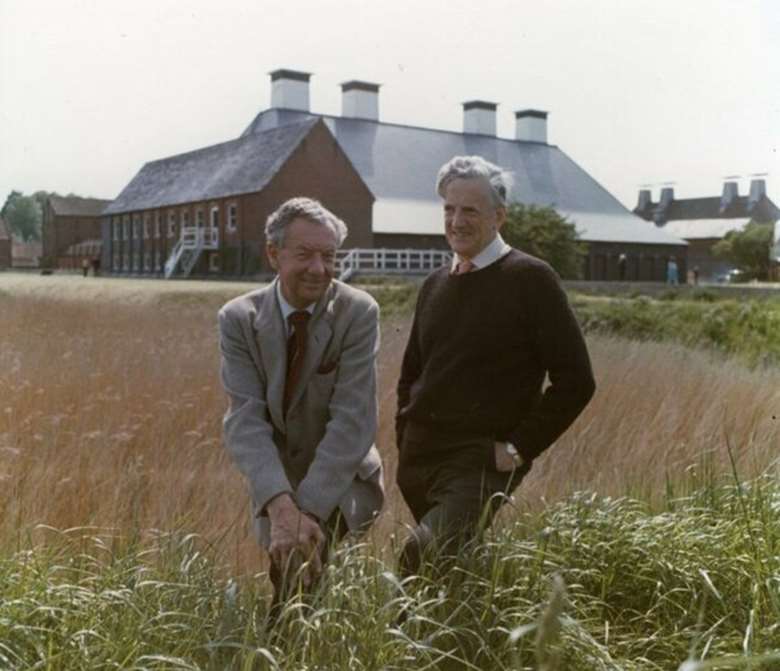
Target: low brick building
[219,197]
[67,221]
[703,222]
[25,254]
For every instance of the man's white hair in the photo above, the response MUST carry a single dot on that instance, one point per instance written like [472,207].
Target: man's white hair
[476,167]
[302,208]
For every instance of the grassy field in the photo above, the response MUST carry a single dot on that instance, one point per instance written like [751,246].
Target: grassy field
[123,524]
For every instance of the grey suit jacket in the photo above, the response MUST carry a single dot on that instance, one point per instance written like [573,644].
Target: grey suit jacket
[323,452]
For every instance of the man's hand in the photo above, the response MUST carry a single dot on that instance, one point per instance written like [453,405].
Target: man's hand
[505,461]
[295,538]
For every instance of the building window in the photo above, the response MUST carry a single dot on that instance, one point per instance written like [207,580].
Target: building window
[115,229]
[199,218]
[215,216]
[232,222]
[214,262]
[147,227]
[116,260]
[126,228]
[171,224]
[156,224]
[147,262]
[185,218]
[157,257]
[136,227]
[126,262]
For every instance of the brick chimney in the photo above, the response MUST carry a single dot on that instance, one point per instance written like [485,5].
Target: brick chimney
[360,100]
[531,126]
[290,90]
[479,117]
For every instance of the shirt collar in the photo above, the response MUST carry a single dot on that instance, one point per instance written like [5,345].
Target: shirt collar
[496,250]
[288,309]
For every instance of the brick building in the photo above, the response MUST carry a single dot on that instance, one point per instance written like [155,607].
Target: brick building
[218,198]
[702,222]
[67,221]
[378,176]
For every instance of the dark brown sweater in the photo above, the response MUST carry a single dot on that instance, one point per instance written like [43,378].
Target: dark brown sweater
[480,347]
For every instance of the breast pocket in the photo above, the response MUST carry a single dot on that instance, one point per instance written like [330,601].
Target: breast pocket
[322,383]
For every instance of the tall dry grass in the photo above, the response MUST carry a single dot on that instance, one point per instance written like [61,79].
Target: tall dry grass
[110,409]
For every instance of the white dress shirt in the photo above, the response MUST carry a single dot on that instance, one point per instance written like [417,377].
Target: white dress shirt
[496,250]
[288,309]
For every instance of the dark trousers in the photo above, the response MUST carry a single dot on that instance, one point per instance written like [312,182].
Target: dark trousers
[452,487]
[286,583]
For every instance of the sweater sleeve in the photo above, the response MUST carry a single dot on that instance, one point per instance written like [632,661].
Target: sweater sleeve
[564,355]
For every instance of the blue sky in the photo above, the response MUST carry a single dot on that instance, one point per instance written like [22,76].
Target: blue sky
[638,92]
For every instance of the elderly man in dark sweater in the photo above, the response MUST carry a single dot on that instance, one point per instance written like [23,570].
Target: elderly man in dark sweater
[472,412]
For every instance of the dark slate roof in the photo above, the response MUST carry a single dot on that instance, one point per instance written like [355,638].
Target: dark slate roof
[401,162]
[5,234]
[240,166]
[75,206]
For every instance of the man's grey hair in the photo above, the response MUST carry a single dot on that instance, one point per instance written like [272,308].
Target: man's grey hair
[302,208]
[476,167]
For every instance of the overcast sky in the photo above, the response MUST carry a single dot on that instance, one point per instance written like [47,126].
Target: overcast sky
[638,91]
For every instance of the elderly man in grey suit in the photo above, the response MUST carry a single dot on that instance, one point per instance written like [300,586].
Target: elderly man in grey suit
[298,365]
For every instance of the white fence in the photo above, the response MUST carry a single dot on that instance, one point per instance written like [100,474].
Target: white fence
[390,261]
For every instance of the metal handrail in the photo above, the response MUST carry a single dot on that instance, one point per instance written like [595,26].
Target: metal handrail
[390,261]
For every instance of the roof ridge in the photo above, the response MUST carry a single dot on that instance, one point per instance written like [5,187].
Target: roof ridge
[237,140]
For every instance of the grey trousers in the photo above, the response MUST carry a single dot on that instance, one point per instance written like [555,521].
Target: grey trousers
[452,487]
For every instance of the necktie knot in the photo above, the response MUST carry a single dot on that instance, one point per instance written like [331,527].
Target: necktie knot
[299,319]
[464,267]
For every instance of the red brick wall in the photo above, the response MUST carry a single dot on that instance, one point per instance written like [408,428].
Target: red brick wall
[5,253]
[318,168]
[61,232]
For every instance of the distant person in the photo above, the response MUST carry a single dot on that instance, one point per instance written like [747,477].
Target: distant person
[622,262]
[696,275]
[298,365]
[672,276]
[472,412]
[84,267]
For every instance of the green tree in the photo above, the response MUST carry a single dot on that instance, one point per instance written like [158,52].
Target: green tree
[747,249]
[544,233]
[23,215]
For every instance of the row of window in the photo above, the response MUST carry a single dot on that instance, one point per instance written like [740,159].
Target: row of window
[121,227]
[151,262]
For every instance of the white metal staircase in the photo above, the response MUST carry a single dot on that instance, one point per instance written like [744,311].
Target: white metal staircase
[188,248]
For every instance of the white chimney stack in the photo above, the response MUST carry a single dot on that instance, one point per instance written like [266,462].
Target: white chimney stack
[479,117]
[360,100]
[531,126]
[290,90]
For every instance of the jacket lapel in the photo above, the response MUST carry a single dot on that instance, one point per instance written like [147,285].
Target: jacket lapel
[272,342]
[320,332]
